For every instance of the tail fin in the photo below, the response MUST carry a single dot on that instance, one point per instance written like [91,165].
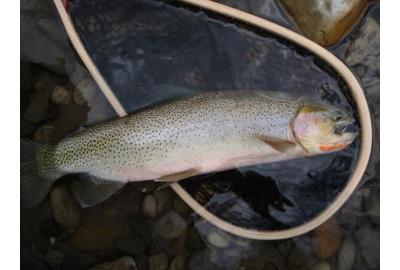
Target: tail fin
[35,185]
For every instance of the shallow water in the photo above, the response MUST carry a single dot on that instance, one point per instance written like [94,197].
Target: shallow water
[162,51]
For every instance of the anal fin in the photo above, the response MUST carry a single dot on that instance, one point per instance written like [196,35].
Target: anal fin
[178,176]
[90,191]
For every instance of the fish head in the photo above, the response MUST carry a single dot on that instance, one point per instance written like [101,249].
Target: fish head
[323,129]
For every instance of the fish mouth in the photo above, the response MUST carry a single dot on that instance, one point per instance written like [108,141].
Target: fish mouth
[347,127]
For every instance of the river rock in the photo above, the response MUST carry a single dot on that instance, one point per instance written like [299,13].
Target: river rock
[364,47]
[124,263]
[26,128]
[327,239]
[181,207]
[65,210]
[36,110]
[369,245]
[43,39]
[201,260]
[372,205]
[194,241]
[25,78]
[158,262]
[218,239]
[163,197]
[170,225]
[139,226]
[177,263]
[54,258]
[61,96]
[44,134]
[131,244]
[78,97]
[325,21]
[322,266]
[347,254]
[149,206]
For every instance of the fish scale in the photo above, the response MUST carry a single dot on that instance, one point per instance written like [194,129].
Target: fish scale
[177,136]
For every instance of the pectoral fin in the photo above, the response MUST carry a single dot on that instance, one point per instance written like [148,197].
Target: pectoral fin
[178,176]
[279,145]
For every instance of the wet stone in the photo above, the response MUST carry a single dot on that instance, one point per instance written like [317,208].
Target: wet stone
[201,260]
[124,263]
[346,255]
[163,197]
[36,110]
[364,47]
[368,240]
[177,263]
[322,266]
[372,205]
[78,97]
[26,128]
[30,262]
[194,241]
[149,206]
[158,262]
[325,21]
[61,96]
[54,258]
[131,245]
[64,209]
[170,225]
[327,239]
[181,207]
[139,227]
[218,239]
[44,134]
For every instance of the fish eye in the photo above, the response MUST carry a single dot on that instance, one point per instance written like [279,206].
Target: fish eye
[338,118]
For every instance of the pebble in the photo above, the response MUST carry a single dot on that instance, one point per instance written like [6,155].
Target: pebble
[54,258]
[163,197]
[78,97]
[27,128]
[372,205]
[327,239]
[218,239]
[61,96]
[44,134]
[132,245]
[325,21]
[347,254]
[149,206]
[322,266]
[124,263]
[181,207]
[158,262]
[201,260]
[193,241]
[177,263]
[365,47]
[140,227]
[64,209]
[170,225]
[36,110]
[26,78]
[368,240]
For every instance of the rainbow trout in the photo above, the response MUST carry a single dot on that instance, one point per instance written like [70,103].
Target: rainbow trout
[195,135]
